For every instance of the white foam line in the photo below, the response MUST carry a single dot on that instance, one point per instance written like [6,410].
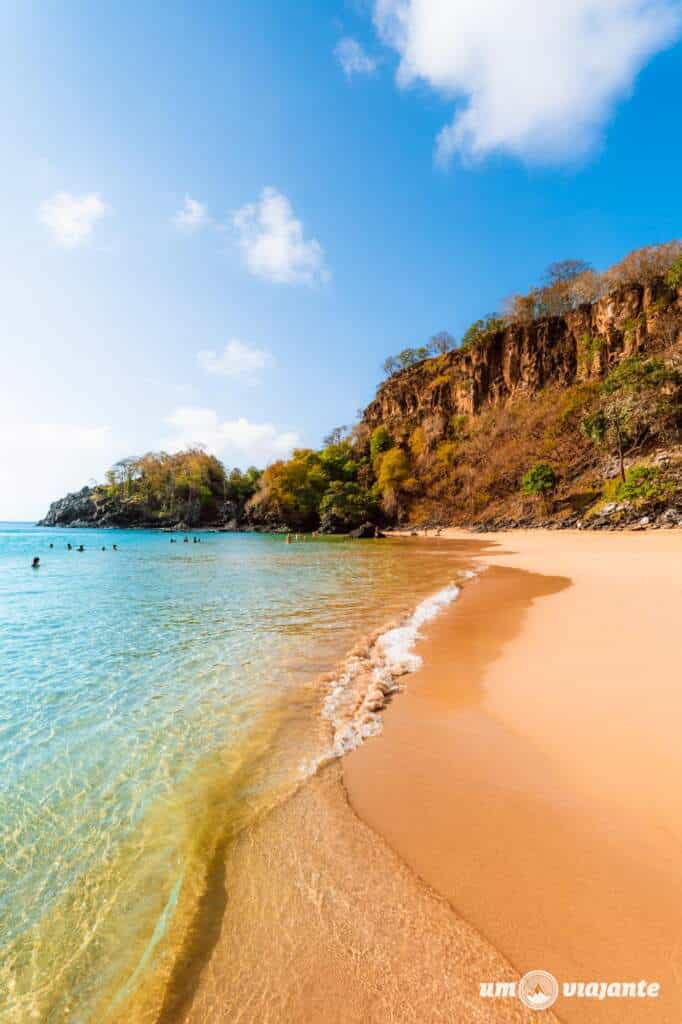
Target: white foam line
[358,695]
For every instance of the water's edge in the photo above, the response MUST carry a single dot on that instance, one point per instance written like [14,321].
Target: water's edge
[353,698]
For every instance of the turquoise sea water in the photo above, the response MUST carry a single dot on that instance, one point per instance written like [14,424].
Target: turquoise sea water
[154,700]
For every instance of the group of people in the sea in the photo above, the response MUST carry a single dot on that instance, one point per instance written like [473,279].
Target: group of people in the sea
[35,564]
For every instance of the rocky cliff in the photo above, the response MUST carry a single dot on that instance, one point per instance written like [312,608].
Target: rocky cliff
[473,421]
[524,358]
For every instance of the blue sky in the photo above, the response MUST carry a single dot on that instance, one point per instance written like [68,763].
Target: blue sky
[219,219]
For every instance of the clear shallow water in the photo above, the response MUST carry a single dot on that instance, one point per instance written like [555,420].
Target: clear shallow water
[153,702]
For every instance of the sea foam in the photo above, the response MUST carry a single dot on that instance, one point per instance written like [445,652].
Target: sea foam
[358,692]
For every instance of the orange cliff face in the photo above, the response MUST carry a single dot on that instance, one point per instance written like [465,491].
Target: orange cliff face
[473,421]
[524,358]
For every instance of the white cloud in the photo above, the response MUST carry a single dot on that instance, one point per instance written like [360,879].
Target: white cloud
[537,80]
[273,244]
[237,441]
[353,59]
[71,219]
[43,461]
[192,215]
[236,360]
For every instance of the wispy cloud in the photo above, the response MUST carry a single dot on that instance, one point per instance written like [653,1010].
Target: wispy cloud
[54,437]
[237,441]
[71,219]
[353,58]
[273,244]
[192,215]
[537,80]
[237,360]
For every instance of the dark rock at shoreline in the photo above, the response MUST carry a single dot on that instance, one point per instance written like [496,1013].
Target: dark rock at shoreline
[366,532]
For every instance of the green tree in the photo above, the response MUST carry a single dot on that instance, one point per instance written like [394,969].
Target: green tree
[346,505]
[394,471]
[441,343]
[639,400]
[479,332]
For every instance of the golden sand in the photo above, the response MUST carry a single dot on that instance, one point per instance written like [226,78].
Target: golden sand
[531,773]
[521,807]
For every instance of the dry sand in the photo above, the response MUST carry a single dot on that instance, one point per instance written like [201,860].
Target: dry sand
[532,771]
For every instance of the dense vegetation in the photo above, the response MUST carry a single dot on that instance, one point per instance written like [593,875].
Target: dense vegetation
[189,487]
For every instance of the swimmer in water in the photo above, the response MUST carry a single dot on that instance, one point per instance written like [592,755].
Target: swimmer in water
[80,548]
[114,547]
[35,564]
[68,547]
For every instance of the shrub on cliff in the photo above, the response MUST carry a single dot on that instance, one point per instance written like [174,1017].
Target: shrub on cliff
[479,332]
[393,479]
[540,481]
[674,275]
[643,484]
[380,442]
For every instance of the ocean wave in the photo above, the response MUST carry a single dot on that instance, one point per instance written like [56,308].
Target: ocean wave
[358,692]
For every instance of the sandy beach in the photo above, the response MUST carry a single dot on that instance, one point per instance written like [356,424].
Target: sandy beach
[520,810]
[530,771]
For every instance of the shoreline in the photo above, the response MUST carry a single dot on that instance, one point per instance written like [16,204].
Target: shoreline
[528,772]
[322,921]
[379,891]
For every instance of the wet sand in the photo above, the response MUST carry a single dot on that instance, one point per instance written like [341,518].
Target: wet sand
[324,924]
[531,771]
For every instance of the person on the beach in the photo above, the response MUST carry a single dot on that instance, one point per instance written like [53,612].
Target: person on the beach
[288,540]
[35,564]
